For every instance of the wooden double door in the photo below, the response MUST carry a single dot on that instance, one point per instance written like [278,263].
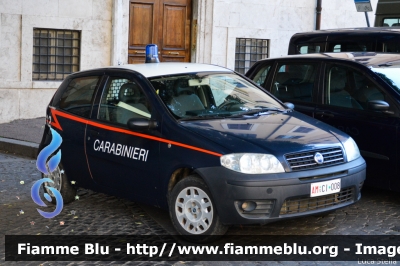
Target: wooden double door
[166,23]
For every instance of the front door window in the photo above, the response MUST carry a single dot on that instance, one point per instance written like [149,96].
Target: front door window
[294,82]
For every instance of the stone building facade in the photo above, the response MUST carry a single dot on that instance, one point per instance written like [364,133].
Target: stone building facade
[103,28]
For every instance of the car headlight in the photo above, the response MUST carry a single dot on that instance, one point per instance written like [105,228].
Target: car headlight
[352,150]
[252,163]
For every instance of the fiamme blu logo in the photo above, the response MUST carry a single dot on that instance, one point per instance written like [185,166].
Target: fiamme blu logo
[47,165]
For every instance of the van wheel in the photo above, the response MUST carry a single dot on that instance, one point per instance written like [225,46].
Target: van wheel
[193,211]
[61,183]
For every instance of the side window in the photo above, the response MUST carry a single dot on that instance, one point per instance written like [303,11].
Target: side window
[391,22]
[309,48]
[294,82]
[78,96]
[122,100]
[261,75]
[348,87]
[337,48]
[366,90]
[390,45]
[364,45]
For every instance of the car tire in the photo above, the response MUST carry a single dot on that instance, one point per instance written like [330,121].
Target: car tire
[193,211]
[61,183]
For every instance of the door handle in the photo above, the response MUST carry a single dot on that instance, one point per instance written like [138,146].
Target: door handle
[174,53]
[322,114]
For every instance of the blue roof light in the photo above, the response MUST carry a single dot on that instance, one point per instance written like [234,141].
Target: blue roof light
[152,53]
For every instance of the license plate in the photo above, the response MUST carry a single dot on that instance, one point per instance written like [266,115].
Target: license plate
[325,188]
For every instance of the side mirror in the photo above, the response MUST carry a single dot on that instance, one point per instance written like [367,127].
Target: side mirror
[377,105]
[141,124]
[289,105]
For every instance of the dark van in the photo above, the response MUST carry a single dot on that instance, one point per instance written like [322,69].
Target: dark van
[346,40]
[387,13]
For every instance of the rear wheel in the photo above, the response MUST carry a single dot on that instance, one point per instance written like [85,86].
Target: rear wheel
[61,183]
[193,211]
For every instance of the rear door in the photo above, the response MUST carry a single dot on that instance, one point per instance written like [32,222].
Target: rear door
[345,97]
[120,158]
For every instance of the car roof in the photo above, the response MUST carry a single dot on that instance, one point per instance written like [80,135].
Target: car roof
[366,58]
[169,68]
[366,30]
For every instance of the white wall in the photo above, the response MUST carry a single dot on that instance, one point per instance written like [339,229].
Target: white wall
[104,25]
[222,21]
[20,97]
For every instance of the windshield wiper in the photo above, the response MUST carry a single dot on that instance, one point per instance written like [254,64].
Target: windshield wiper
[207,116]
[261,111]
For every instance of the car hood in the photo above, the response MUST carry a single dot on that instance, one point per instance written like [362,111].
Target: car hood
[277,133]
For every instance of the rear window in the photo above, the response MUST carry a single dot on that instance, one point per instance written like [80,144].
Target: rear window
[391,22]
[78,96]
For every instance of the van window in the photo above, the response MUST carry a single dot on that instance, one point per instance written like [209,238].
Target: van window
[309,48]
[392,46]
[391,22]
[352,46]
[78,96]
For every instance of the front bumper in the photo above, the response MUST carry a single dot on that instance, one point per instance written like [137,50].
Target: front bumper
[280,196]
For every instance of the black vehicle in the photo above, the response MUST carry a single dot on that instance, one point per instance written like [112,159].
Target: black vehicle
[358,93]
[387,13]
[385,40]
[201,141]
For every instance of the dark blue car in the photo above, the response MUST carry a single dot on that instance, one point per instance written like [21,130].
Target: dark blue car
[200,141]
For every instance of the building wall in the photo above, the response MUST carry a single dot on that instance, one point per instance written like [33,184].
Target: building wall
[222,21]
[20,97]
[104,26]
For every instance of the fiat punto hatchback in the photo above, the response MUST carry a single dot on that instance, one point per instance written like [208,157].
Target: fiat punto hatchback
[201,141]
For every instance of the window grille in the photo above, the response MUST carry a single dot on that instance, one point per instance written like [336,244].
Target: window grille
[113,92]
[249,51]
[56,53]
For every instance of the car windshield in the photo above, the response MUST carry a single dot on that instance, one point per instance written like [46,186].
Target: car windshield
[213,95]
[390,74]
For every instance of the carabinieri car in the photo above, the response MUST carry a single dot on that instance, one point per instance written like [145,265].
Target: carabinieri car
[200,140]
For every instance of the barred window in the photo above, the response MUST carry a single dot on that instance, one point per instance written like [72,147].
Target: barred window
[56,53]
[249,51]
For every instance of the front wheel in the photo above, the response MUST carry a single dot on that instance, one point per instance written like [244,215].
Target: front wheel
[61,183]
[193,211]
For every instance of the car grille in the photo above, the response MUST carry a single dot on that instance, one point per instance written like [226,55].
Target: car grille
[263,209]
[306,204]
[305,160]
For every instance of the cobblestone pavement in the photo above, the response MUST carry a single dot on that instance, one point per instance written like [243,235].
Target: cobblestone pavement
[377,213]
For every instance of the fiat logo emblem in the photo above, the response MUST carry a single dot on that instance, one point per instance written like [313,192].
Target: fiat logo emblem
[319,159]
